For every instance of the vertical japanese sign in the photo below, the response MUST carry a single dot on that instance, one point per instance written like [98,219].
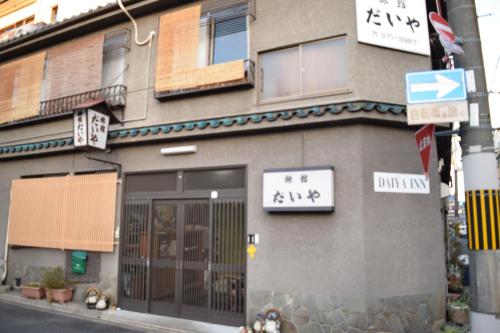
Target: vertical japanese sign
[424,144]
[90,129]
[98,129]
[396,24]
[80,128]
[299,189]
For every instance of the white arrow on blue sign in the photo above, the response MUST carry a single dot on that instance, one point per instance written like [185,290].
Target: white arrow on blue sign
[436,86]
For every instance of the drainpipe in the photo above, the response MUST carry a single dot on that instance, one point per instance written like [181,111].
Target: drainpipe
[3,262]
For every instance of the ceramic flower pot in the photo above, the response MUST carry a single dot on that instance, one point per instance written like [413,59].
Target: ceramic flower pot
[33,292]
[459,314]
[60,295]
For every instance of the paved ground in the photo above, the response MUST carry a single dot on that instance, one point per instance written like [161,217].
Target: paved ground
[18,319]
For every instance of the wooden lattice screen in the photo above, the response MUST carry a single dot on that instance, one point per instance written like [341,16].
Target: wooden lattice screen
[70,212]
[20,84]
[74,67]
[177,55]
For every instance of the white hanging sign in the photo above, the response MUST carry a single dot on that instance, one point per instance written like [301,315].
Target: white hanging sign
[98,129]
[395,24]
[80,128]
[299,189]
[90,129]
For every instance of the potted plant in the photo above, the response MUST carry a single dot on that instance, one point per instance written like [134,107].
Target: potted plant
[458,310]
[453,329]
[55,285]
[455,278]
[33,290]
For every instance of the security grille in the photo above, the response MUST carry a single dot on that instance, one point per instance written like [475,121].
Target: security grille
[184,258]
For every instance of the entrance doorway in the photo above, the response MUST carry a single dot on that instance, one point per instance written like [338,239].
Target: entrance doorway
[184,257]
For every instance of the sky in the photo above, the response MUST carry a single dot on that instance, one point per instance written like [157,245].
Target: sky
[488,12]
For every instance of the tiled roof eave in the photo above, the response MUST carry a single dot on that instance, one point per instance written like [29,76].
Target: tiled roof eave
[257,119]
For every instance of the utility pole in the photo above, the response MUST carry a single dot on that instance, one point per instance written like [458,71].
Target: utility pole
[480,177]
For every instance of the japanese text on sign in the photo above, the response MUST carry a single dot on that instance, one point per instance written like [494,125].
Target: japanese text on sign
[397,24]
[98,129]
[307,189]
[80,129]
[90,129]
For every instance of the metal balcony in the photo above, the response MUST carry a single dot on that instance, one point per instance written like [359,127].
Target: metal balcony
[116,96]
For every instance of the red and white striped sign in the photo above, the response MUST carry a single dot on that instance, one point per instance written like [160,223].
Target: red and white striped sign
[442,27]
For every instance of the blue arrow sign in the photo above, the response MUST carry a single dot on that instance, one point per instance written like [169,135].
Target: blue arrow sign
[436,86]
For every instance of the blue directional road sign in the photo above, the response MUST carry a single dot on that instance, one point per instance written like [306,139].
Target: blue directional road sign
[436,86]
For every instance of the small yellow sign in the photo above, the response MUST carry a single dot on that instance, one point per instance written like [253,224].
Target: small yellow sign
[251,249]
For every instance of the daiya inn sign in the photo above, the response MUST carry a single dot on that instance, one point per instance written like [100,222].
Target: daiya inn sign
[400,25]
[91,122]
[400,183]
[308,189]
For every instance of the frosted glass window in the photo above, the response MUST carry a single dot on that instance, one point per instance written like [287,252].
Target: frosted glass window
[280,74]
[306,69]
[324,66]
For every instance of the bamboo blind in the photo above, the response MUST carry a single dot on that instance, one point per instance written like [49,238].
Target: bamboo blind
[20,85]
[13,5]
[74,67]
[71,212]
[177,55]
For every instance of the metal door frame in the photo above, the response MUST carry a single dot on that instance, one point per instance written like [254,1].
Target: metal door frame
[182,197]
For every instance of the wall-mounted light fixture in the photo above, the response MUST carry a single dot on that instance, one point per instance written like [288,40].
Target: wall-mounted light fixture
[178,150]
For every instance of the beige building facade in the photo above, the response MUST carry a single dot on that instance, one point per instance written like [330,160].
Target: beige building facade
[248,87]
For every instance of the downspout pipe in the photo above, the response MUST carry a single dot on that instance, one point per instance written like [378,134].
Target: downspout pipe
[148,41]
[3,262]
[151,33]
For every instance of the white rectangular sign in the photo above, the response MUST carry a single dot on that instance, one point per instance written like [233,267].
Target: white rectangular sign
[80,128]
[435,113]
[298,189]
[396,24]
[98,129]
[400,183]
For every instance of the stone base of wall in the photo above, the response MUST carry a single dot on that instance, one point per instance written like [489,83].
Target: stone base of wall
[107,282]
[330,314]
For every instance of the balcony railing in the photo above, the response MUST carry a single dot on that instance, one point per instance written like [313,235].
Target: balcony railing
[115,96]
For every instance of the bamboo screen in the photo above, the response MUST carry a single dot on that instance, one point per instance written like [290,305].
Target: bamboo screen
[74,67]
[71,212]
[11,6]
[20,84]
[177,55]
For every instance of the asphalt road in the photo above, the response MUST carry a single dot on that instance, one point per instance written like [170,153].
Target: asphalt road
[17,319]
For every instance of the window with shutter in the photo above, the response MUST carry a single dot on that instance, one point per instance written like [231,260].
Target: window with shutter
[203,46]
[116,45]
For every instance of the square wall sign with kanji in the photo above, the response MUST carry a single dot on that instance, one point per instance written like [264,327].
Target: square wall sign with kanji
[395,24]
[308,189]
